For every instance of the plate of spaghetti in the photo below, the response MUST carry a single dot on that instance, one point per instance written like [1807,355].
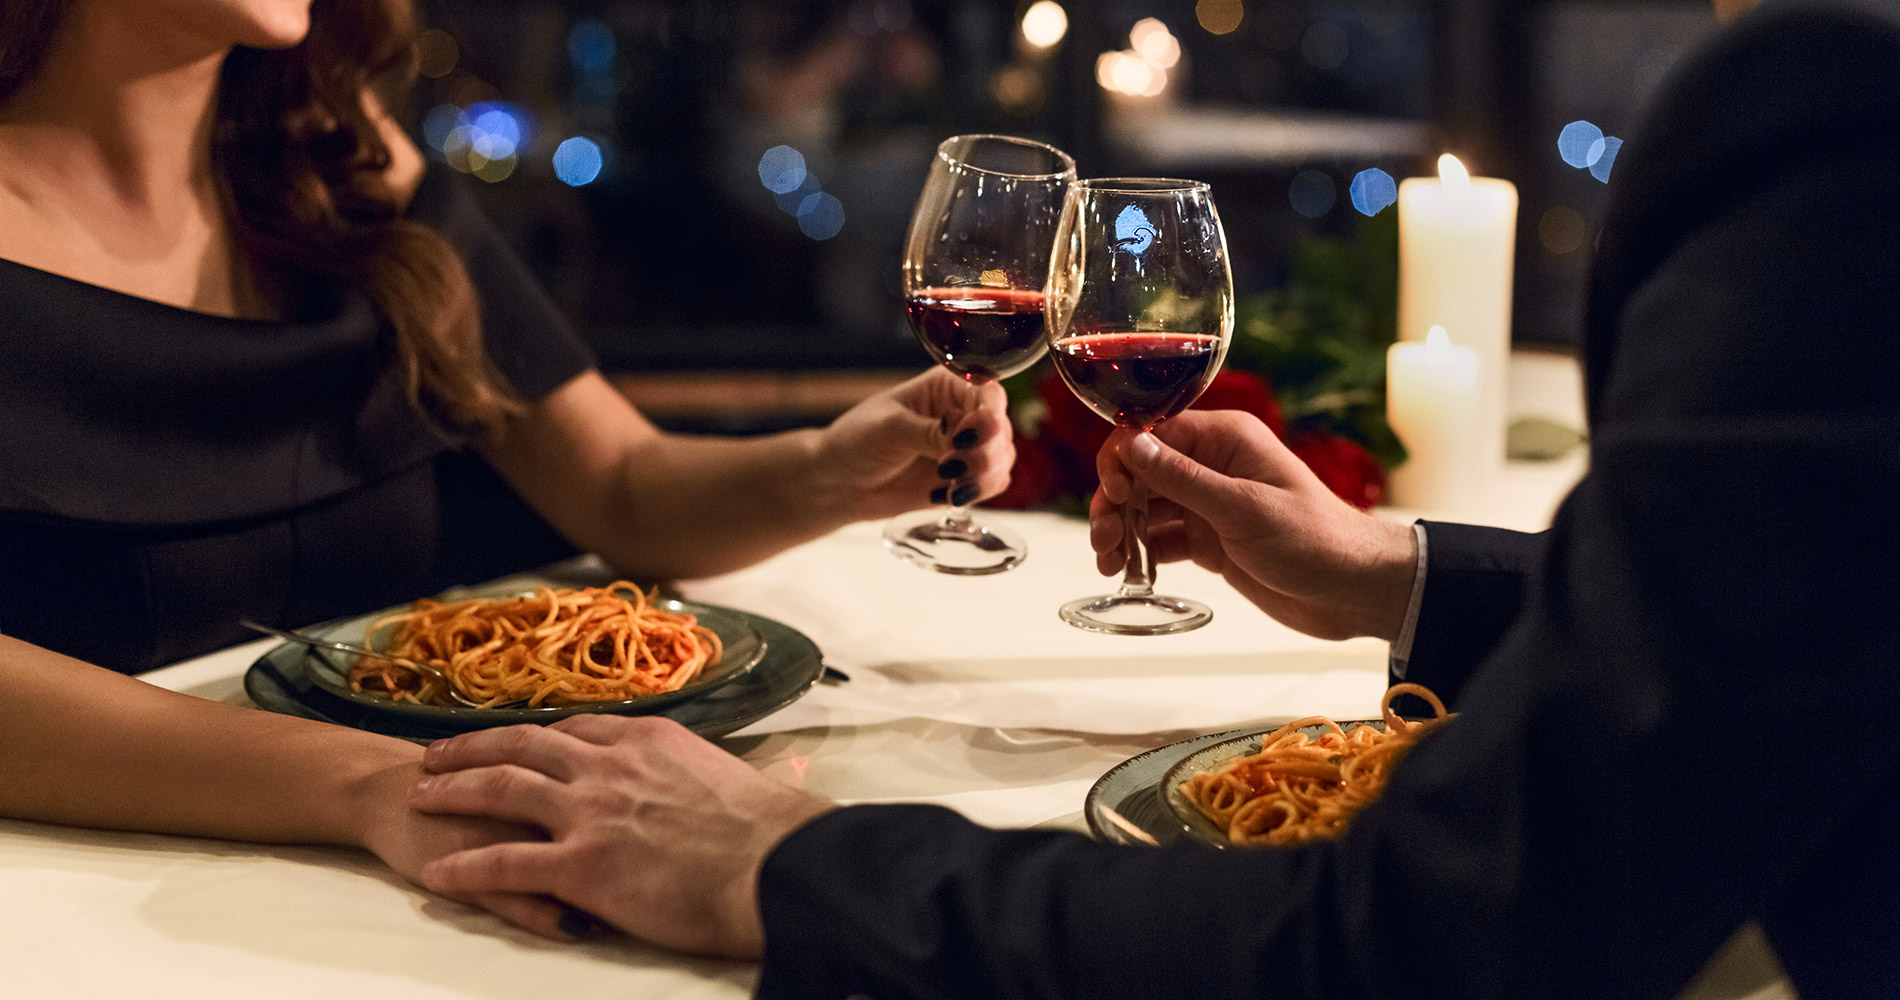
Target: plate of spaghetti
[1301,782]
[537,656]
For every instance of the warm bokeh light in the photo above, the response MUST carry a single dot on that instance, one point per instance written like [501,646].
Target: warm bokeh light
[1044,23]
[1452,175]
[1219,17]
[1155,43]
[436,54]
[1125,72]
[1560,229]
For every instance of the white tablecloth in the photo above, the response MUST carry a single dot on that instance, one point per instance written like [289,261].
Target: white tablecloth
[967,692]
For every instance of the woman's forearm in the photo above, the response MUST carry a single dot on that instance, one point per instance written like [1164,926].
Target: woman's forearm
[87,747]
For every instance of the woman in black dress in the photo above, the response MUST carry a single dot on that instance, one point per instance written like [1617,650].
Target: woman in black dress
[258,360]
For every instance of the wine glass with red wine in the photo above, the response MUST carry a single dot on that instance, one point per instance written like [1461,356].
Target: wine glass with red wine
[1141,310]
[975,264]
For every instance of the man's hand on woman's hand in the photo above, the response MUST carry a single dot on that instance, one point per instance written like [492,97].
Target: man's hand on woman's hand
[653,829]
[1226,493]
[928,440]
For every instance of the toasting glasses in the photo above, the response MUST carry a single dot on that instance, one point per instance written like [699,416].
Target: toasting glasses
[975,264]
[1141,310]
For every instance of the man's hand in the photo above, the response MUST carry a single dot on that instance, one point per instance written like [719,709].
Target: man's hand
[1228,494]
[652,829]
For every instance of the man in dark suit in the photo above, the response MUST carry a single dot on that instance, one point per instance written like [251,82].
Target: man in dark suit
[1672,704]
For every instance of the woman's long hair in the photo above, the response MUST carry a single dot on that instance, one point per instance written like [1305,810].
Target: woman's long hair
[303,167]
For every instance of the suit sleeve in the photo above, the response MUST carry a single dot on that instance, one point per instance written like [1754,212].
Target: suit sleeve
[1474,585]
[1663,744]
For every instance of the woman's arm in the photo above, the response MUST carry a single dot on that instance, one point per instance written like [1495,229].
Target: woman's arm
[667,505]
[83,746]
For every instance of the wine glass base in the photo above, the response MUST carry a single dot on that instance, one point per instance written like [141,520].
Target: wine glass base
[961,548]
[1118,614]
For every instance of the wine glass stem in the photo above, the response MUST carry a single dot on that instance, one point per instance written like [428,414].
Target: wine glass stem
[958,515]
[1139,577]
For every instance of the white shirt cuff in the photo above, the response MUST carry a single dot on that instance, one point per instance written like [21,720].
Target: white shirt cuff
[1402,646]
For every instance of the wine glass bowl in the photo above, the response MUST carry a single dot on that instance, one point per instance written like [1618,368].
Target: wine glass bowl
[975,264]
[1140,306]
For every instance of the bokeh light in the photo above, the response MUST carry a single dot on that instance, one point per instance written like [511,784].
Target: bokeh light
[439,122]
[1600,167]
[1312,193]
[820,216]
[577,161]
[1125,72]
[1153,42]
[1324,46]
[1219,16]
[1560,229]
[1574,142]
[1044,23]
[782,169]
[436,54]
[1373,191]
[590,47]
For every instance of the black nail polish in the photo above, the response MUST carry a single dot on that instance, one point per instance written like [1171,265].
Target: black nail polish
[963,494]
[576,924]
[952,468]
[940,495]
[965,438]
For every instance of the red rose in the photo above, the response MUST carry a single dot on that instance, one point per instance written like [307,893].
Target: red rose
[1070,435]
[1346,468]
[1032,480]
[1232,390]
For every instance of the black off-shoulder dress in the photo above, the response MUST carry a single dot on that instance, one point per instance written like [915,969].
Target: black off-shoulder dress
[164,473]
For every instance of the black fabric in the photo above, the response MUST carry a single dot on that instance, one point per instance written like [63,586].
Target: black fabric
[1475,578]
[164,472]
[1682,729]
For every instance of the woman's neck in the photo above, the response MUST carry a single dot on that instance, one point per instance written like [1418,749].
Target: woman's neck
[122,105]
[105,164]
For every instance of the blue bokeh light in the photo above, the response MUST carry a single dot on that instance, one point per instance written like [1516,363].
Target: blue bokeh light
[1600,169]
[590,46]
[1312,193]
[578,161]
[1133,231]
[782,169]
[820,216]
[497,120]
[1574,142]
[1373,191]
[439,122]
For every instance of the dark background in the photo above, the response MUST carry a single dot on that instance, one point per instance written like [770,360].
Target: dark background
[677,258]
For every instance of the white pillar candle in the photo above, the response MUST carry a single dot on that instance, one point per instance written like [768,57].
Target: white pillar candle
[1456,237]
[1432,402]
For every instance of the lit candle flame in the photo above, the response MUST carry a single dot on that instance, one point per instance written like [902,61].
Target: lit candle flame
[1436,339]
[1452,174]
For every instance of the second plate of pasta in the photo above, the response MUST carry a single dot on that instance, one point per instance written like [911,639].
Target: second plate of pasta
[537,656]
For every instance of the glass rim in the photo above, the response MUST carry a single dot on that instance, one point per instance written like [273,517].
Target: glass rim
[1068,171]
[1141,185]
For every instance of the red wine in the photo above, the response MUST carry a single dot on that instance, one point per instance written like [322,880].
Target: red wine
[979,333]
[1137,380]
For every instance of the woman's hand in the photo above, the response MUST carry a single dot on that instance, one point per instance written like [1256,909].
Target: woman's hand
[929,440]
[654,830]
[1228,494]
[407,839]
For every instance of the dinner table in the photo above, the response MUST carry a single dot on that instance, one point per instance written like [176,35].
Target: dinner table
[966,692]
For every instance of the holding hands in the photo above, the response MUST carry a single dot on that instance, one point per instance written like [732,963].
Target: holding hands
[651,828]
[1227,494]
